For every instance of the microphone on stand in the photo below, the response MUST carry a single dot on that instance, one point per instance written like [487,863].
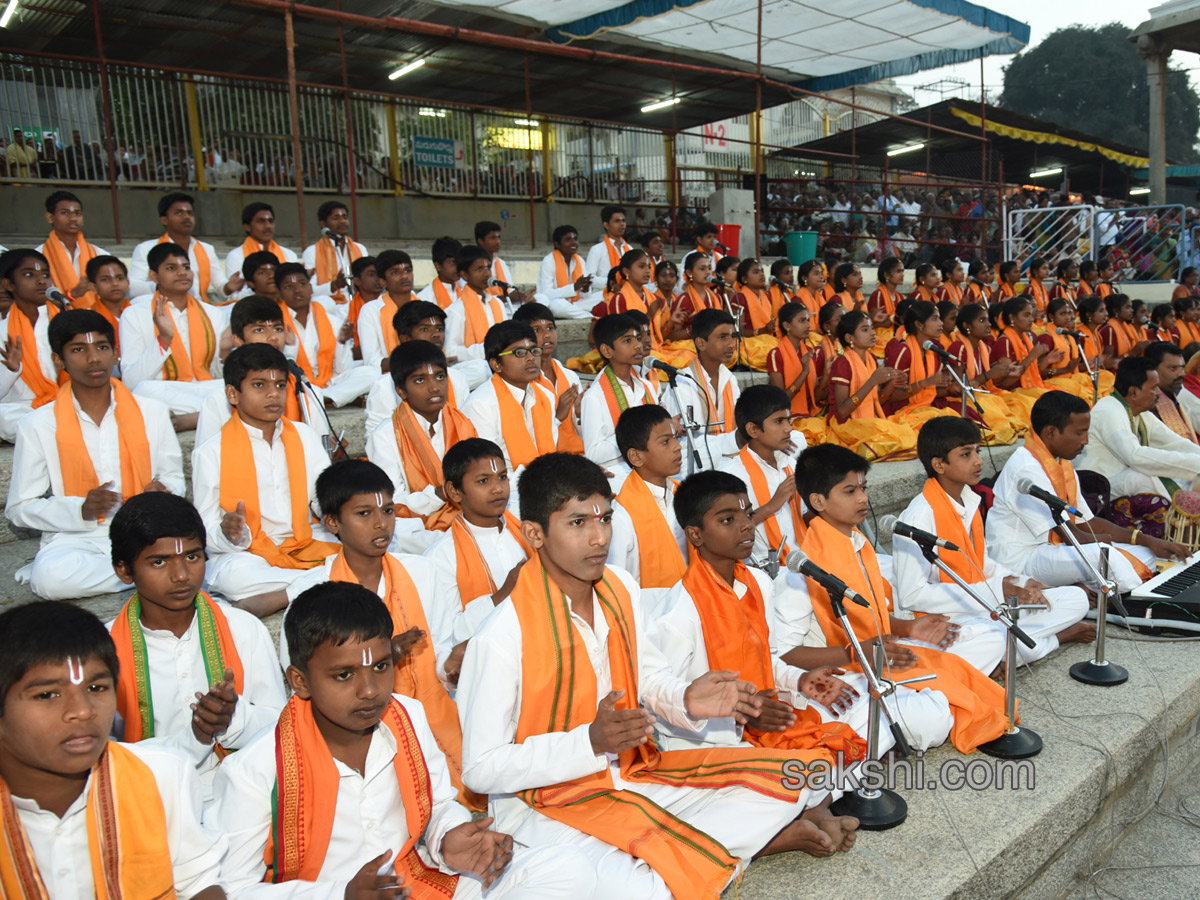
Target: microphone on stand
[1078,335]
[496,282]
[799,562]
[939,350]
[656,363]
[1026,486]
[890,525]
[782,285]
[55,296]
[298,374]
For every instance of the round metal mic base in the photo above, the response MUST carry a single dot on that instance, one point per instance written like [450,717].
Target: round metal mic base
[878,811]
[1020,743]
[1104,674]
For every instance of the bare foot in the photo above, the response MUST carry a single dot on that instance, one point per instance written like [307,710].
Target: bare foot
[1079,633]
[842,830]
[802,834]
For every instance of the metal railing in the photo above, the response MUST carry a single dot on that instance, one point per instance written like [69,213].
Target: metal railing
[1144,243]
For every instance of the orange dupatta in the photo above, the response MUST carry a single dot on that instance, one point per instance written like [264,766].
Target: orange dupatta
[737,639]
[559,693]
[922,364]
[706,301]
[328,267]
[239,483]
[805,401]
[442,295]
[523,447]
[811,302]
[569,440]
[976,701]
[1062,478]
[126,836]
[850,301]
[66,274]
[952,292]
[306,785]
[1037,290]
[476,318]
[614,252]
[1023,344]
[967,562]
[757,306]
[391,340]
[354,310]
[182,363]
[614,393]
[326,343]
[1124,336]
[860,371]
[660,562]
[422,466]
[562,276]
[250,245]
[761,495]
[416,674]
[203,266]
[74,460]
[1063,289]
[20,328]
[474,577]
[727,399]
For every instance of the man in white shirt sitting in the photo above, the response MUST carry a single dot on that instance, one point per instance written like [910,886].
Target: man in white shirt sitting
[563,281]
[177,213]
[328,261]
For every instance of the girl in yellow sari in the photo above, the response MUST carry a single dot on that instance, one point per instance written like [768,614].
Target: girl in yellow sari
[926,391]
[752,305]
[1016,344]
[973,359]
[1062,366]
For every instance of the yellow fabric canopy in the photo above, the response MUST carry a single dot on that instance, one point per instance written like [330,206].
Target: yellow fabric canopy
[1046,137]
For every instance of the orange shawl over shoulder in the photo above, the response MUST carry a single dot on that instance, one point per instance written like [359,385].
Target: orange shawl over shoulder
[523,447]
[564,274]
[476,317]
[474,577]
[422,466]
[921,364]
[1022,346]
[805,401]
[760,494]
[326,344]
[190,363]
[19,327]
[569,440]
[860,371]
[967,562]
[327,267]
[65,274]
[660,563]
[74,460]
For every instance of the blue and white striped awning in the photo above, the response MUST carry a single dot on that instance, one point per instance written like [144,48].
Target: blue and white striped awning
[817,46]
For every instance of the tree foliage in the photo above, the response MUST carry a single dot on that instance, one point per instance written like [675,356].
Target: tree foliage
[1092,80]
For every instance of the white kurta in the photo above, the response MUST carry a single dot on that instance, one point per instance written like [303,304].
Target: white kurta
[598,264]
[429,296]
[924,715]
[483,409]
[1018,531]
[489,698]
[456,330]
[60,846]
[1113,451]
[382,398]
[714,449]
[80,268]
[139,270]
[559,299]
[235,258]
[16,397]
[233,570]
[322,289]
[774,475]
[75,557]
[368,820]
[599,429]
[370,333]
[177,674]
[919,588]
[349,380]
[215,412]
[143,357]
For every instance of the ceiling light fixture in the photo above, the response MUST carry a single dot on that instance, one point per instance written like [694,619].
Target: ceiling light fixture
[404,70]
[661,104]
[1043,173]
[909,149]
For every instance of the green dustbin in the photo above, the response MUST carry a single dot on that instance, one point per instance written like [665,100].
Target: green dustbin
[801,246]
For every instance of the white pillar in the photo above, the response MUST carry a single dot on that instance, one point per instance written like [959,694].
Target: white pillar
[1156,54]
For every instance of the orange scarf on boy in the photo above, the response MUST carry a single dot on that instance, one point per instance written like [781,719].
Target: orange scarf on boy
[326,343]
[476,318]
[306,789]
[523,447]
[190,364]
[422,466]
[328,268]
[474,577]
[760,494]
[74,459]
[660,563]
[564,274]
[968,561]
[203,266]
[569,440]
[64,274]
[20,328]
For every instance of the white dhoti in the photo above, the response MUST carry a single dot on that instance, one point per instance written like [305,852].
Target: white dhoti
[1128,482]
[537,873]
[349,385]
[11,415]
[565,309]
[72,568]
[924,716]
[237,576]
[1068,605]
[182,397]
[978,642]
[1058,565]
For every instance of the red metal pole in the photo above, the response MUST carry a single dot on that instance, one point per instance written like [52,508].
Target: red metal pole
[109,140]
[352,175]
[294,106]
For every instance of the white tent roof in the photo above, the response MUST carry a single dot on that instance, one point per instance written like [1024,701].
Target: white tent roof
[818,46]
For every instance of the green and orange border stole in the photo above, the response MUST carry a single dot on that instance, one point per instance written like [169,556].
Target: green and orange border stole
[559,692]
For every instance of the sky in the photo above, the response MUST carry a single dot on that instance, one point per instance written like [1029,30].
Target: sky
[1043,17]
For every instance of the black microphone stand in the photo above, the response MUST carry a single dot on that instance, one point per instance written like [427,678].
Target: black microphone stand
[1093,374]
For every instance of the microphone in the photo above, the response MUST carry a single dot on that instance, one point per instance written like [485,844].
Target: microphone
[939,350]
[718,281]
[496,282]
[301,378]
[1075,334]
[781,284]
[55,296]
[656,363]
[1026,486]
[799,562]
[891,525]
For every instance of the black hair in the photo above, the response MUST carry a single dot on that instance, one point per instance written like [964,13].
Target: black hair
[329,207]
[1115,302]
[389,258]
[1181,304]
[609,211]
[484,228]
[1055,305]
[50,631]
[445,248]
[11,259]
[1036,263]
[58,197]
[1007,267]
[166,201]
[1054,409]
[789,311]
[283,270]
[252,358]
[947,309]
[947,433]
[756,404]
[553,480]
[848,325]
[562,231]
[71,322]
[250,210]
[1088,307]
[969,313]
[977,267]
[828,312]
[469,450]
[745,266]
[1012,308]
[706,321]
[923,270]
[332,613]
[886,267]
[629,257]
[361,265]
[148,517]
[841,273]
[724,264]
[503,335]
[414,311]
[698,492]
[918,313]
[821,468]
[1156,351]
[340,481]
[779,265]
[1132,372]
[1064,265]
[256,261]
[638,317]
[160,253]
[634,427]
[703,228]
[533,312]
[1086,267]
[691,259]
[1160,312]
[410,356]
[648,238]
[253,309]
[806,268]
[96,263]
[665,266]
[468,255]
[609,328]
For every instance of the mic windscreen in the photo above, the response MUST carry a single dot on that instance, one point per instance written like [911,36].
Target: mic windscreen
[1024,485]
[55,296]
[796,559]
[887,525]
[928,345]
